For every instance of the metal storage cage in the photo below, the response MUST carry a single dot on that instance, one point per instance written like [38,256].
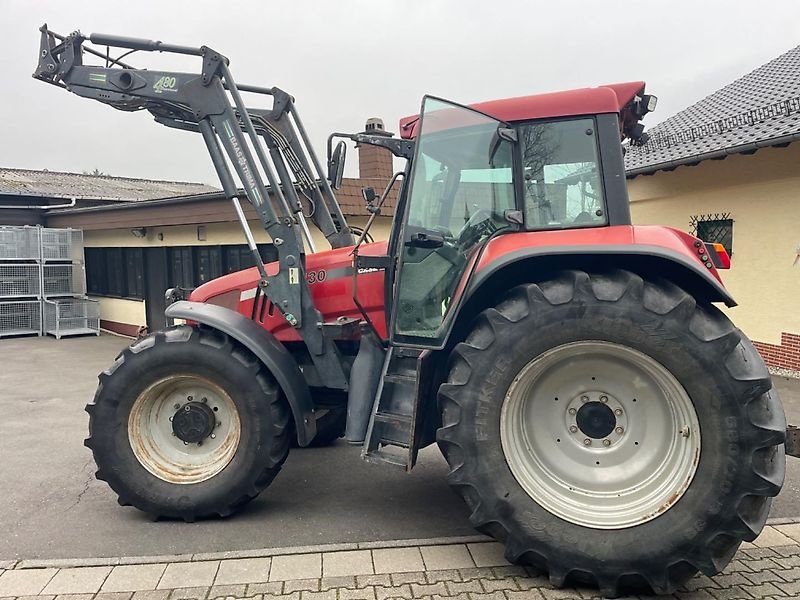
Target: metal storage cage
[71,316]
[62,244]
[19,280]
[20,317]
[63,280]
[19,243]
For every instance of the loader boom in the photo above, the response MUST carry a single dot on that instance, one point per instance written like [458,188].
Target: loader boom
[268,150]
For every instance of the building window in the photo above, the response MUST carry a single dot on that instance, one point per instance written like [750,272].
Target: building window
[714,228]
[119,272]
[116,272]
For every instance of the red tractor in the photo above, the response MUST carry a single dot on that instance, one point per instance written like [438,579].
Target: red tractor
[600,415]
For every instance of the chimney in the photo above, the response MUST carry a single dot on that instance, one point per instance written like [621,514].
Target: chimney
[374,161]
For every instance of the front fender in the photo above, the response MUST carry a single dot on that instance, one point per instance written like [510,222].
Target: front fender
[280,363]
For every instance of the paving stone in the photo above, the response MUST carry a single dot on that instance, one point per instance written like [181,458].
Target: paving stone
[82,580]
[292,596]
[25,581]
[561,594]
[792,531]
[383,579]
[300,585]
[410,577]
[772,537]
[275,587]
[189,593]
[224,591]
[510,571]
[695,595]
[792,574]
[74,596]
[731,593]
[764,576]
[189,575]
[397,560]
[738,566]
[491,585]
[790,589]
[763,590]
[43,597]
[446,575]
[756,553]
[490,596]
[151,595]
[488,554]
[531,594]
[761,564]
[113,596]
[327,595]
[297,566]
[352,562]
[340,581]
[242,570]
[459,587]
[133,578]
[787,562]
[428,589]
[477,573]
[400,591]
[527,583]
[728,581]
[365,593]
[454,556]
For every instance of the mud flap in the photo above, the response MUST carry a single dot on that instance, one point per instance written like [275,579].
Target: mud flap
[793,441]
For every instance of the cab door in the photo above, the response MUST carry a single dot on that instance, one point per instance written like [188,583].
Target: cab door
[461,189]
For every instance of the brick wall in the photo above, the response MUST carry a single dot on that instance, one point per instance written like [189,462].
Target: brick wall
[785,355]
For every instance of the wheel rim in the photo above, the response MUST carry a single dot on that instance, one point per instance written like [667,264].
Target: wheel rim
[155,443]
[600,435]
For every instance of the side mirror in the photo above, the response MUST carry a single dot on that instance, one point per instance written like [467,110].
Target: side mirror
[336,165]
[368,193]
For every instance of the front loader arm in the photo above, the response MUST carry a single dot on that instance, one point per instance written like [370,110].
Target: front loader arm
[210,102]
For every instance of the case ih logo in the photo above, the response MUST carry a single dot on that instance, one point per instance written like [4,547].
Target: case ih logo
[165,84]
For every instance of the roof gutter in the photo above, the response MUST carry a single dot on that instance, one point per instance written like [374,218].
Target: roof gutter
[722,153]
[38,206]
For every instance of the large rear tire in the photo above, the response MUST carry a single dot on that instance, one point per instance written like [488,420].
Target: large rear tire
[188,424]
[613,431]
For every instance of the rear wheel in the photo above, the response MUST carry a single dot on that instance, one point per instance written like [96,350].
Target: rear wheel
[187,424]
[612,431]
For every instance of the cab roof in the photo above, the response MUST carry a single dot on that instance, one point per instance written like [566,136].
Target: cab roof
[612,98]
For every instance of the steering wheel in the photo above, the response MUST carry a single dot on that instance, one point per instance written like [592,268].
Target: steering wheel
[471,227]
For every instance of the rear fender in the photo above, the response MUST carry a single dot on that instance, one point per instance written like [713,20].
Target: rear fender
[276,358]
[489,284]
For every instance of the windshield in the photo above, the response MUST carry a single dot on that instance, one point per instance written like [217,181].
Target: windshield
[461,188]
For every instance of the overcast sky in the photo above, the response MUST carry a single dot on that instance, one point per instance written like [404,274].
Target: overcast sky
[346,60]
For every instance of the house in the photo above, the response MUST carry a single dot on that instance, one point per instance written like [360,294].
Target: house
[142,236]
[727,169]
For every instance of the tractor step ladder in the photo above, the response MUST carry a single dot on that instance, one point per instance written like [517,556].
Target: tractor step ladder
[393,424]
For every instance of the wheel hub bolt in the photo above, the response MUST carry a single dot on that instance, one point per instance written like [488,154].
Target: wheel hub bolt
[603,398]
[213,436]
[190,398]
[618,412]
[587,442]
[619,430]
[584,398]
[606,442]
[204,400]
[573,428]
[219,423]
[177,406]
[685,431]
[187,407]
[572,411]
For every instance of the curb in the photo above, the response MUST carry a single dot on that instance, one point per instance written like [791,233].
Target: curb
[63,563]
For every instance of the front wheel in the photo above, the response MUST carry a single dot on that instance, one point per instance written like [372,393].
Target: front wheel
[187,424]
[612,430]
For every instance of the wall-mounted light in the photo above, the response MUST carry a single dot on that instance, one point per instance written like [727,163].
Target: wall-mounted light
[139,232]
[201,233]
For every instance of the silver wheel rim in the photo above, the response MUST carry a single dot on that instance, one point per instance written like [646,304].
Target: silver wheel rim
[168,457]
[636,472]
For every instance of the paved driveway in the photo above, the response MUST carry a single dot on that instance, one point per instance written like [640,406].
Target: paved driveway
[51,506]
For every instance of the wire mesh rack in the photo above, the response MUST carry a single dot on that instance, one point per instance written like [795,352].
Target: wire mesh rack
[19,280]
[63,280]
[19,243]
[20,317]
[61,244]
[71,316]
